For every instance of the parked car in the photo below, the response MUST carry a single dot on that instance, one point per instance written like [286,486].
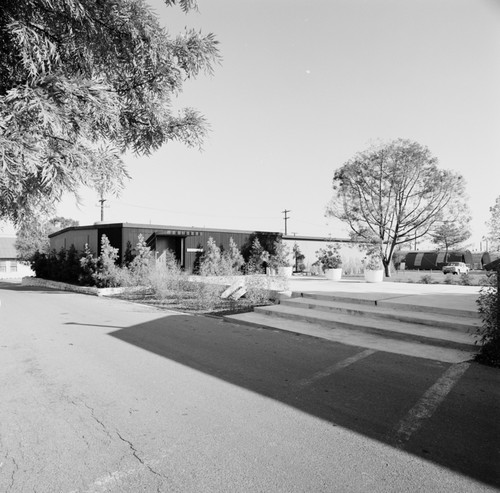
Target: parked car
[455,268]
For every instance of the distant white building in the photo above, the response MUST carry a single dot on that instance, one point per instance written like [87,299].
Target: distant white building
[10,266]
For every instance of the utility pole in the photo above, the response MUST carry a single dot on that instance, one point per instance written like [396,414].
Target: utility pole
[102,200]
[286,218]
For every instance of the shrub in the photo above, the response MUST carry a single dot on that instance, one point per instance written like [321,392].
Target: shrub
[329,257]
[352,266]
[88,267]
[59,264]
[128,256]
[465,280]
[373,262]
[483,281]
[232,259]
[108,274]
[258,289]
[40,265]
[141,264]
[299,257]
[211,261]
[489,334]
[167,280]
[71,267]
[450,279]
[207,295]
[426,279]
[258,256]
[280,258]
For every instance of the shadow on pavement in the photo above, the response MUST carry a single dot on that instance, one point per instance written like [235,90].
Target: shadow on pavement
[369,397]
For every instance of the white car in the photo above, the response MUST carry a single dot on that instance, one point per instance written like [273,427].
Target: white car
[455,268]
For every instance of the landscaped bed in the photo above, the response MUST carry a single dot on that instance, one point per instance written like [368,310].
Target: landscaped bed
[189,301]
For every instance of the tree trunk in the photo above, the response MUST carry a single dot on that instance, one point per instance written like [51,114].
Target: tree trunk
[387,269]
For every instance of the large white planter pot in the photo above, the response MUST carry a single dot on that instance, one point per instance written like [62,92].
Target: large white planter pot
[374,275]
[285,271]
[333,274]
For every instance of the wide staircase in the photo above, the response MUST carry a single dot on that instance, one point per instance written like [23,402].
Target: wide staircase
[436,332]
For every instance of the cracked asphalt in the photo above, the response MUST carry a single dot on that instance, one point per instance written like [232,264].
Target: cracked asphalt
[101,395]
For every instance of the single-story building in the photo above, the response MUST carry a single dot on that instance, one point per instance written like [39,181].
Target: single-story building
[10,266]
[186,243]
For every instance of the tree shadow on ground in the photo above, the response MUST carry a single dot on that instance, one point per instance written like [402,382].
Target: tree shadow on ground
[370,397]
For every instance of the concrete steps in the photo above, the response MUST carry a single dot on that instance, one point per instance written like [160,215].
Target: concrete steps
[398,302]
[442,333]
[446,320]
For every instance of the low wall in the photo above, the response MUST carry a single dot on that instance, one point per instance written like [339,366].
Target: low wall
[62,286]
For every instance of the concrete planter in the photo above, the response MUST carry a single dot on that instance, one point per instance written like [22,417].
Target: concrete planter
[285,271]
[374,275]
[333,274]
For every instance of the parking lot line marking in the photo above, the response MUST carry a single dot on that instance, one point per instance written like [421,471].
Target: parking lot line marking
[334,368]
[428,404]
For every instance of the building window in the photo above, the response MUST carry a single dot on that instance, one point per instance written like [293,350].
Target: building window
[13,266]
[3,266]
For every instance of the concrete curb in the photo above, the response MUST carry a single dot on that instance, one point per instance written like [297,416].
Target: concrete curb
[93,291]
[62,286]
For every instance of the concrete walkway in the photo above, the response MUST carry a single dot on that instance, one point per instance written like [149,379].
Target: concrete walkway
[425,295]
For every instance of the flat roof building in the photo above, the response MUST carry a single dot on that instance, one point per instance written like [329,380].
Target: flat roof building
[186,243]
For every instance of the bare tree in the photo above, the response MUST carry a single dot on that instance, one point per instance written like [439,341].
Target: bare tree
[392,194]
[494,225]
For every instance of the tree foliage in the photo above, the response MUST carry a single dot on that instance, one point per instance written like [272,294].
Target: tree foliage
[299,258]
[494,225]
[454,228]
[488,334]
[232,259]
[211,260]
[83,81]
[108,273]
[141,264]
[281,256]
[33,235]
[329,257]
[450,234]
[392,194]
[258,256]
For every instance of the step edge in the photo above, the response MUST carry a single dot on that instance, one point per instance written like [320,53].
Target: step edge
[381,303]
[369,328]
[420,318]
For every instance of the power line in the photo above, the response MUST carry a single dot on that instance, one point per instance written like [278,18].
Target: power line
[190,213]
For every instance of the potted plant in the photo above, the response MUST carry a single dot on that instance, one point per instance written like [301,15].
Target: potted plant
[280,260]
[331,262]
[374,267]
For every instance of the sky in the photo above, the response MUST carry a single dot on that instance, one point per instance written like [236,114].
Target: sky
[303,86]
